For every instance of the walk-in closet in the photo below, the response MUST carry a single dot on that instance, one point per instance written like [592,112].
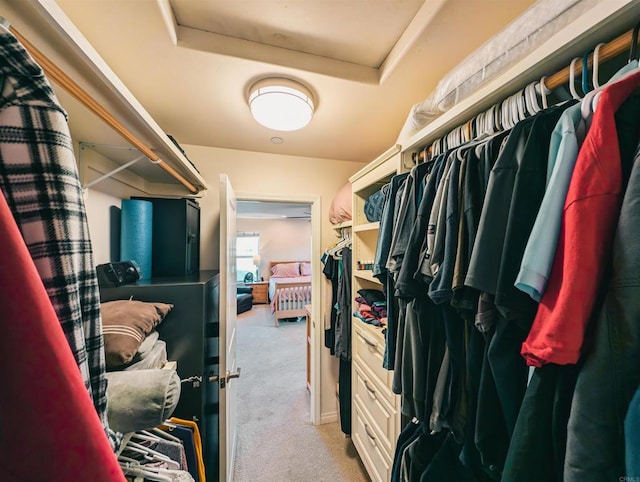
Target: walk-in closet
[455,284]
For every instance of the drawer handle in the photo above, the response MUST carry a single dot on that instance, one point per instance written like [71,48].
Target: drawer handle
[371,390]
[369,341]
[369,434]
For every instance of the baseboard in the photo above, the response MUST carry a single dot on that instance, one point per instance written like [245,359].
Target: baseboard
[329,417]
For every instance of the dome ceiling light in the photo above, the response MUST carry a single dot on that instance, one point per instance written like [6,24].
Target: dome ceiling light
[281,104]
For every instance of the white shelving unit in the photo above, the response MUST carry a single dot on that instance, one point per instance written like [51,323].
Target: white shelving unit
[375,408]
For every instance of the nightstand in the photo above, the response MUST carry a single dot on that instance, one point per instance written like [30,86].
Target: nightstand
[260,291]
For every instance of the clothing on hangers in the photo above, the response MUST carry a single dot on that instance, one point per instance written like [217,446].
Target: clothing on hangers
[500,389]
[195,440]
[39,179]
[566,140]
[590,213]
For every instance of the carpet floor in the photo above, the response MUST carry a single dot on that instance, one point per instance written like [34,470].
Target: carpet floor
[276,440]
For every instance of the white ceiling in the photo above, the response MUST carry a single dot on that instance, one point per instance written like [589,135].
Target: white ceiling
[272,210]
[191,62]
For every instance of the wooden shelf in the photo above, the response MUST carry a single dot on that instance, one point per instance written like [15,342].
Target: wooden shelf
[346,224]
[367,227]
[366,274]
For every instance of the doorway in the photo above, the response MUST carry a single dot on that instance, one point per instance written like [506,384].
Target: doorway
[307,209]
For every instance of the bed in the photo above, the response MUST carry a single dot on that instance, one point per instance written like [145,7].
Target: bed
[289,288]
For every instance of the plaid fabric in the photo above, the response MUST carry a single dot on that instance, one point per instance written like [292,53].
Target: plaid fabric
[39,179]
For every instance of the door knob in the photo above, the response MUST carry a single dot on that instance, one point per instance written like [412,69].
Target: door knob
[233,375]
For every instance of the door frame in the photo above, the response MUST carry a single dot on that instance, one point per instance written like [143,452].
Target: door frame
[316,285]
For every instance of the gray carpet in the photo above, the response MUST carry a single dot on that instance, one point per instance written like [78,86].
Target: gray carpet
[276,440]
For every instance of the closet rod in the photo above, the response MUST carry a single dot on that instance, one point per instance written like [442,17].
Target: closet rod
[64,81]
[608,51]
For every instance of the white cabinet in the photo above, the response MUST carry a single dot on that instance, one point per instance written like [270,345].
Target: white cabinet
[375,408]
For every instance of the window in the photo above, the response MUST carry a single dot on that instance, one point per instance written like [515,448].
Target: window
[247,256]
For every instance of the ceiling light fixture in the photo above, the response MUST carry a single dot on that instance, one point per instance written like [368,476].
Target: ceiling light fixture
[281,104]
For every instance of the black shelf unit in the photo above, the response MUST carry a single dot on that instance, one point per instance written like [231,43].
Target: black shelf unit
[190,331]
[175,236]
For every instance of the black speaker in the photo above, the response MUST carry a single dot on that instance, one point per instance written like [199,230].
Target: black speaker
[117,274]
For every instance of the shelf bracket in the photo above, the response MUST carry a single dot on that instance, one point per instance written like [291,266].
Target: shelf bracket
[115,171]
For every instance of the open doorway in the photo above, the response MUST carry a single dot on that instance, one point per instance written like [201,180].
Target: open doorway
[290,213]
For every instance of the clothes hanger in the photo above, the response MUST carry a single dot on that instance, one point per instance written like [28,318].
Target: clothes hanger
[586,106]
[515,109]
[498,119]
[532,106]
[145,437]
[634,43]
[543,92]
[585,74]
[162,433]
[151,455]
[133,467]
[521,103]
[531,110]
[504,115]
[468,131]
[572,78]
[629,69]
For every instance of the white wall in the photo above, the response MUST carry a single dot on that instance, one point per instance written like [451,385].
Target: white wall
[280,240]
[272,174]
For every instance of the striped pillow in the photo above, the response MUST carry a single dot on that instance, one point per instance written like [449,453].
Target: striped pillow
[125,325]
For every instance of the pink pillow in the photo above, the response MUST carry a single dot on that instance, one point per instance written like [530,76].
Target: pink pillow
[285,270]
[340,207]
[305,269]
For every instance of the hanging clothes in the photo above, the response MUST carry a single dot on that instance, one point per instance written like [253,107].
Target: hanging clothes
[595,444]
[466,275]
[192,440]
[50,428]
[589,217]
[393,190]
[566,140]
[39,179]
[337,269]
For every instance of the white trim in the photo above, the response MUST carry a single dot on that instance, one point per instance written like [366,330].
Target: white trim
[316,285]
[329,417]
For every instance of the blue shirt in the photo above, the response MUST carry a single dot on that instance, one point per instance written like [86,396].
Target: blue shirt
[541,247]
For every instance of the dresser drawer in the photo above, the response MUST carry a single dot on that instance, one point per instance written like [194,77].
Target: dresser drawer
[367,442]
[375,404]
[260,292]
[370,349]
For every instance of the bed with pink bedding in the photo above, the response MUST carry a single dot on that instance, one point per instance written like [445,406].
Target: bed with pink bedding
[289,288]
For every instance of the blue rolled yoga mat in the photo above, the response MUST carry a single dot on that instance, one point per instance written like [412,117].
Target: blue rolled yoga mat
[135,234]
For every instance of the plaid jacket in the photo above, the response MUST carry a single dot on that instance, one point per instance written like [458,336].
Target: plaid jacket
[39,179]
